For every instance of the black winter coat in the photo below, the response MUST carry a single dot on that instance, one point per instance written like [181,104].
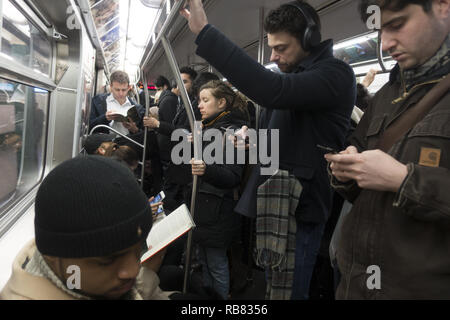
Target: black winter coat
[167,104]
[217,223]
[309,106]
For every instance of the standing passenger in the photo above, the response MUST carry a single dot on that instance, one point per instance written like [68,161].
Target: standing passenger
[394,243]
[174,184]
[217,223]
[310,103]
[105,105]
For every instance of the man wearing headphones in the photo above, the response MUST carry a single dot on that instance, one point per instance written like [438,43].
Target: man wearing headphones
[309,103]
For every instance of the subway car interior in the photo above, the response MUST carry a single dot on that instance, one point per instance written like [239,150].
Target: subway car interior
[55,56]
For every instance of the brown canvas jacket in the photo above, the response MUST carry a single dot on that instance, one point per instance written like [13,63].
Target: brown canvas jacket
[406,234]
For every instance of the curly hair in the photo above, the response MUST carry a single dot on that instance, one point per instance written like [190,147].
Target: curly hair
[286,18]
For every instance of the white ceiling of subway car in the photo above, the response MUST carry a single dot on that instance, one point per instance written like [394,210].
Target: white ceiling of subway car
[124,27]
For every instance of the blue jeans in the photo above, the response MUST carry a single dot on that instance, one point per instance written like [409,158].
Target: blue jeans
[308,239]
[215,271]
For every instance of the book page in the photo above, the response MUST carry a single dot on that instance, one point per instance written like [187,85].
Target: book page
[167,230]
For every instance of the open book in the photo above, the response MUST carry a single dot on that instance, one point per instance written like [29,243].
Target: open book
[167,230]
[132,115]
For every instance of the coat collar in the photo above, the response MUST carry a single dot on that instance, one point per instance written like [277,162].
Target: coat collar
[322,51]
[28,286]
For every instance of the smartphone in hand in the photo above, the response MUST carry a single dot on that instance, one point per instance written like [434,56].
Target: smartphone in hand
[158,198]
[327,149]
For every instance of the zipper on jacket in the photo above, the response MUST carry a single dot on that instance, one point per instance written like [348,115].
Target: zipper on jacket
[407,93]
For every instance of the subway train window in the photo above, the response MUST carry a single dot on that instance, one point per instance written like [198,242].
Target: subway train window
[23,42]
[360,53]
[359,49]
[23,111]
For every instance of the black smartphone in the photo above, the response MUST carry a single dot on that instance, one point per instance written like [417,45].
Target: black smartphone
[327,149]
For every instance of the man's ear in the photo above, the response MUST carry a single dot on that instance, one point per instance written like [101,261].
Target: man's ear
[101,151]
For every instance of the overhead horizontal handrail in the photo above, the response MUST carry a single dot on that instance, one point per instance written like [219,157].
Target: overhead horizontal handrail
[117,132]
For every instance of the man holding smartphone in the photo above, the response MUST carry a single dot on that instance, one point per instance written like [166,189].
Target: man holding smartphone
[309,103]
[398,228]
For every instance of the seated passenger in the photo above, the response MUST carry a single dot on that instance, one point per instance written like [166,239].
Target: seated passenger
[127,155]
[91,222]
[93,142]
[217,223]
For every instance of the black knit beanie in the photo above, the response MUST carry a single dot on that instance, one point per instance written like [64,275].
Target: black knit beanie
[90,207]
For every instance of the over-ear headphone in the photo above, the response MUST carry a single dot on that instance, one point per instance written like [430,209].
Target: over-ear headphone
[311,37]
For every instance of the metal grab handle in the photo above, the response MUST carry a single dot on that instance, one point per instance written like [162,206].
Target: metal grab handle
[117,132]
[147,108]
[380,54]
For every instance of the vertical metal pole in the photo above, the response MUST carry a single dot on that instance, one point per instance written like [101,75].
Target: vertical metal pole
[261,36]
[195,129]
[147,107]
[380,54]
[260,57]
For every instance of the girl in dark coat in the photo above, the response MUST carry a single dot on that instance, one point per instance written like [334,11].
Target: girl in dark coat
[217,223]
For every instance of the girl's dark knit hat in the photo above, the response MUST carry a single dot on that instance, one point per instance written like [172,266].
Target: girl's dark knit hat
[90,207]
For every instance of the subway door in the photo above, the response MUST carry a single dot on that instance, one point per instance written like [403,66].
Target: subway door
[65,100]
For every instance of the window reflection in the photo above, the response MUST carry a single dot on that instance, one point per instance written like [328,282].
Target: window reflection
[23,42]
[23,112]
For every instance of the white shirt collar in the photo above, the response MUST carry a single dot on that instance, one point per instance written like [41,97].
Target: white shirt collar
[111,98]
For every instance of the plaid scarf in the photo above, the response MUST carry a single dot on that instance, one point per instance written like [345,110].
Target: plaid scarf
[436,67]
[277,200]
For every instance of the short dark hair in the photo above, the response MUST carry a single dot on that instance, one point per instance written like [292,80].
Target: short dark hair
[119,77]
[162,81]
[202,79]
[287,18]
[191,72]
[392,5]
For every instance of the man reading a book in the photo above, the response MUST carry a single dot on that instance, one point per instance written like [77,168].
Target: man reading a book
[116,109]
[91,223]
